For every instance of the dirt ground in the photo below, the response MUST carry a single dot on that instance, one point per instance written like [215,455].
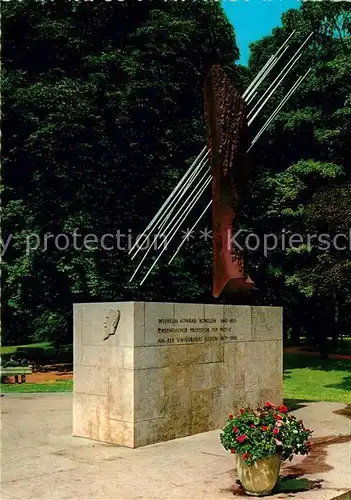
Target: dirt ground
[51,376]
[49,373]
[303,352]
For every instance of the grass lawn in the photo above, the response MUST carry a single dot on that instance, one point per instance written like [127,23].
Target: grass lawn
[313,379]
[11,349]
[62,386]
[42,353]
[305,378]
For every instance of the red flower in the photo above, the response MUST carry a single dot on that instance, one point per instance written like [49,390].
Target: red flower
[233,450]
[268,405]
[253,426]
[241,438]
[235,429]
[246,455]
[308,430]
[242,410]
[264,427]
[283,409]
[277,417]
[275,431]
[231,417]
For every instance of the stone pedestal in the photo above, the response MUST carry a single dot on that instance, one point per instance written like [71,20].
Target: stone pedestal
[146,372]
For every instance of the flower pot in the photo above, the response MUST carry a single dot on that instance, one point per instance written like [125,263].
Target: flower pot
[260,478]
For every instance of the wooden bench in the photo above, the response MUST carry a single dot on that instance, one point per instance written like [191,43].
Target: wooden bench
[15,371]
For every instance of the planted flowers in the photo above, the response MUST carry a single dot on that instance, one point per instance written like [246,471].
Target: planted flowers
[263,432]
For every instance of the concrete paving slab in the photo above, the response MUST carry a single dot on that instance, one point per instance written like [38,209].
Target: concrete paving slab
[40,459]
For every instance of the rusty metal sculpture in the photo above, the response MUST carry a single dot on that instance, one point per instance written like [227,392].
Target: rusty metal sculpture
[225,113]
[228,121]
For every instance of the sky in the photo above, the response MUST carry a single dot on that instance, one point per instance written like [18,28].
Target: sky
[253,19]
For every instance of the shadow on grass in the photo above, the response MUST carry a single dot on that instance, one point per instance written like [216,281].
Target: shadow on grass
[296,404]
[292,361]
[344,384]
[48,354]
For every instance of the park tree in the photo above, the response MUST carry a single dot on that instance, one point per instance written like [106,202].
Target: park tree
[303,163]
[102,112]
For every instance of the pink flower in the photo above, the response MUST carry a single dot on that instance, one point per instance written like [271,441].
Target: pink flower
[279,423]
[253,426]
[235,429]
[278,443]
[241,438]
[275,431]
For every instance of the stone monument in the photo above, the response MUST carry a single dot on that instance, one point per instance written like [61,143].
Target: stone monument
[150,372]
[165,371]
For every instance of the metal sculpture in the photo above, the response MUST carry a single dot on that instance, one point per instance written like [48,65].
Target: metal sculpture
[225,112]
[228,118]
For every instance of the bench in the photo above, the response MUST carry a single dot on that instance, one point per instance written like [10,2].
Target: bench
[15,371]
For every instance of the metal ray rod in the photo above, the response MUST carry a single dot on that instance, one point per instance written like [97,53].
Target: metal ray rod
[274,89]
[289,65]
[198,185]
[274,114]
[261,79]
[274,59]
[187,173]
[292,61]
[269,69]
[176,229]
[267,64]
[251,98]
[172,203]
[191,230]
[168,211]
[278,108]
[262,70]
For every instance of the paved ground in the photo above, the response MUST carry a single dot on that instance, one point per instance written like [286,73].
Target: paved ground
[41,459]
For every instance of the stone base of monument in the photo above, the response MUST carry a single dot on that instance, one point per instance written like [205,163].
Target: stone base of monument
[147,372]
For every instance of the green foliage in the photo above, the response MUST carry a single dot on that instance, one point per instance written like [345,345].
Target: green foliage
[102,112]
[301,181]
[261,433]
